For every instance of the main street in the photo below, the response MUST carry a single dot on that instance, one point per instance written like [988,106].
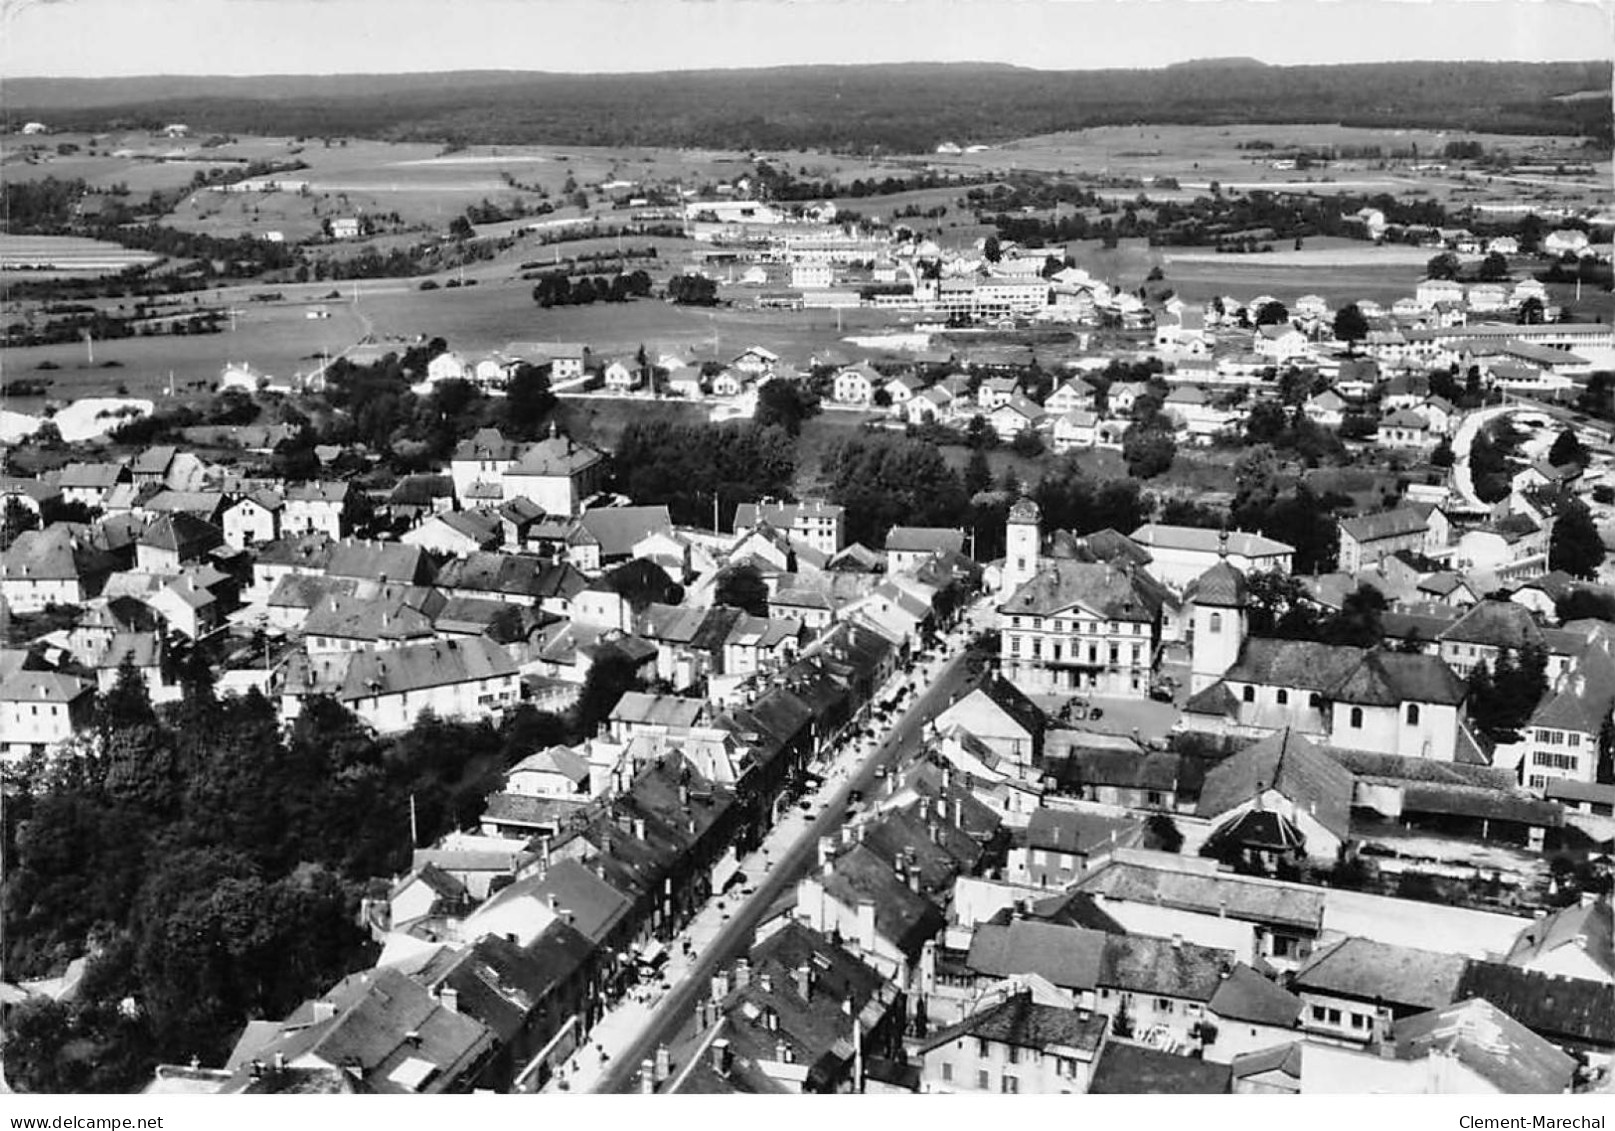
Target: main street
[938,689]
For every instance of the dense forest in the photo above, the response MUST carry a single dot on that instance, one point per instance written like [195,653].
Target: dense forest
[907,108]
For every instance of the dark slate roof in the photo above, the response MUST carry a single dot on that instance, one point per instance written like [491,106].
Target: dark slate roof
[1365,970]
[1386,524]
[1247,996]
[924,539]
[1501,624]
[903,916]
[1388,679]
[1222,586]
[1489,1043]
[1023,1023]
[1125,1069]
[1553,1006]
[1590,927]
[617,529]
[1122,594]
[1068,957]
[379,561]
[1304,664]
[1280,1058]
[1163,967]
[183,533]
[517,575]
[1290,763]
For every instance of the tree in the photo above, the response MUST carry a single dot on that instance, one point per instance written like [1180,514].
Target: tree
[1281,606]
[1494,268]
[1568,448]
[1575,546]
[742,587]
[1028,442]
[784,404]
[1443,266]
[1531,312]
[692,290]
[1121,1025]
[528,401]
[884,481]
[1359,622]
[990,250]
[1442,455]
[460,229]
[1147,451]
[1161,833]
[1272,314]
[1351,326]
[610,677]
[978,474]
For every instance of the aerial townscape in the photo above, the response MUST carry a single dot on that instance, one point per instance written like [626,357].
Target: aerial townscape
[921,601]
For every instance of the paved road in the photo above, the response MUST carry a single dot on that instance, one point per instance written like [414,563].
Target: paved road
[676,1008]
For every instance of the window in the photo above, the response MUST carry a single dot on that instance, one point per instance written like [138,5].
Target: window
[1283,697]
[1012,1086]
[1216,622]
[984,1081]
[1163,1005]
[1115,653]
[1358,1021]
[1357,718]
[1413,714]
[1318,1013]
[1572,739]
[982,1049]
[1249,694]
[1315,701]
[1037,648]
[947,1072]
[1014,1055]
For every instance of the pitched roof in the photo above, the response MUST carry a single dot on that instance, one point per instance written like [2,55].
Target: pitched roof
[1398,976]
[554,457]
[1588,927]
[1291,764]
[901,915]
[182,533]
[1245,995]
[1114,593]
[1500,624]
[1489,1043]
[1386,524]
[378,561]
[1222,586]
[418,666]
[512,575]
[1163,967]
[1562,1009]
[617,529]
[43,687]
[1068,957]
[1024,1023]
[1127,1069]
[1217,893]
[924,539]
[1156,535]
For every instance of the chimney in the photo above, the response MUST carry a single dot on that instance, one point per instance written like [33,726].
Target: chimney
[639,828]
[804,982]
[866,924]
[827,852]
[742,973]
[449,998]
[766,981]
[771,1019]
[782,1051]
[720,988]
[1177,942]
[914,880]
[280,1062]
[722,1060]
[647,1076]
[664,1063]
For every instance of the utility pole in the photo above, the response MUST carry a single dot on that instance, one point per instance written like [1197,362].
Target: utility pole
[414,833]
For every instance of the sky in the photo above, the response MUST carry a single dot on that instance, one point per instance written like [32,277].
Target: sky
[239,37]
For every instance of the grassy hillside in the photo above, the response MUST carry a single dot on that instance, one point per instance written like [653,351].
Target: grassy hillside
[896,108]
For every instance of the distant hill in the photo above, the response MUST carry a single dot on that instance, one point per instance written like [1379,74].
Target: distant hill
[1218,63]
[902,108]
